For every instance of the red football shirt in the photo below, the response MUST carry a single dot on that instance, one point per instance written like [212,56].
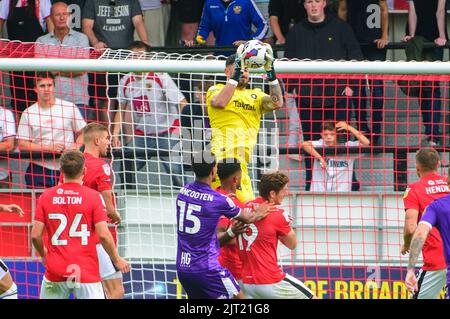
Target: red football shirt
[258,247]
[229,253]
[99,176]
[70,212]
[418,196]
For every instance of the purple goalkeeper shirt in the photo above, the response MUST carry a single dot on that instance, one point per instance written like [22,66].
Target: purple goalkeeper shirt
[199,208]
[437,214]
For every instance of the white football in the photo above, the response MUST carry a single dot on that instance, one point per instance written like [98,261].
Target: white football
[253,54]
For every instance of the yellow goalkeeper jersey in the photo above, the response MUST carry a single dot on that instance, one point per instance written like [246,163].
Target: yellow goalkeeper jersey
[235,127]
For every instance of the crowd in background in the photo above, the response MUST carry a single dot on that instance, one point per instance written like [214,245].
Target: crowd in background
[309,29]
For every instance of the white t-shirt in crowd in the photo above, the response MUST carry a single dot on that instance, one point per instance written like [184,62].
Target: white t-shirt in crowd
[54,125]
[7,130]
[338,176]
[154,100]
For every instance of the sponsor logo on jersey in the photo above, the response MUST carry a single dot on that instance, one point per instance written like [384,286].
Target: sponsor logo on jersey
[245,106]
[406,192]
[431,183]
[106,169]
[148,85]
[237,9]
[59,191]
[254,96]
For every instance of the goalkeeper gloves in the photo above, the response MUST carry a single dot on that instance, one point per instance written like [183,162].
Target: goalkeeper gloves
[237,69]
[270,70]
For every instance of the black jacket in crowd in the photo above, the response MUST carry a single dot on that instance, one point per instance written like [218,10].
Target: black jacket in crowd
[332,39]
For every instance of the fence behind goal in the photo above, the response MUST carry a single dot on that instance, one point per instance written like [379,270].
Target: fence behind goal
[349,241]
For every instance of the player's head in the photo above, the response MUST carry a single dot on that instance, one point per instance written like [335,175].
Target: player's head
[139,48]
[315,9]
[427,160]
[96,136]
[72,164]
[204,165]
[328,133]
[59,15]
[273,187]
[229,70]
[44,85]
[229,171]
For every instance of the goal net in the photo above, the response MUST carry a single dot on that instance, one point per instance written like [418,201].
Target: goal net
[350,229]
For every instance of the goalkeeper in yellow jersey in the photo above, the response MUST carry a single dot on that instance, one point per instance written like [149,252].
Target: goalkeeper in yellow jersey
[235,115]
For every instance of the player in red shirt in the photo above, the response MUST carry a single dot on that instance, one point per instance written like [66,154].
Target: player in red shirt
[229,172]
[72,213]
[8,289]
[99,176]
[261,275]
[431,186]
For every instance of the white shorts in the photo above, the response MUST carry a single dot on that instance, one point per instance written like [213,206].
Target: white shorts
[3,269]
[107,269]
[62,290]
[288,288]
[430,283]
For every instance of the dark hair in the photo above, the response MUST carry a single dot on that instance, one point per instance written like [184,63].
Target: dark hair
[272,182]
[72,163]
[203,163]
[227,167]
[428,159]
[328,126]
[139,45]
[90,129]
[230,60]
[43,75]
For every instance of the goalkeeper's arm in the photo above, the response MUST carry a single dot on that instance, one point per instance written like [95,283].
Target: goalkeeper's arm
[275,100]
[224,96]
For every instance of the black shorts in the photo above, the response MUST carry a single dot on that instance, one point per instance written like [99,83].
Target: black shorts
[190,11]
[103,87]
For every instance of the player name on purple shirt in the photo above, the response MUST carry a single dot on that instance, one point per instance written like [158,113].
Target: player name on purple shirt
[437,214]
[199,208]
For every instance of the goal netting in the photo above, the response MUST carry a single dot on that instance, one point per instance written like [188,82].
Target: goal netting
[349,233]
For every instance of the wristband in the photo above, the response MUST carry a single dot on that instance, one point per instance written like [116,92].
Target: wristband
[274,82]
[232,82]
[230,233]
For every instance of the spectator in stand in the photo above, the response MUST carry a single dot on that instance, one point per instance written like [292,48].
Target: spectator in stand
[369,20]
[428,19]
[189,14]
[25,21]
[50,125]
[156,19]
[283,15]
[7,143]
[75,8]
[151,103]
[64,42]
[321,99]
[111,24]
[231,22]
[333,174]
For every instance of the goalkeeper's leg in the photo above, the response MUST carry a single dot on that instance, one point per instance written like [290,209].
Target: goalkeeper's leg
[8,289]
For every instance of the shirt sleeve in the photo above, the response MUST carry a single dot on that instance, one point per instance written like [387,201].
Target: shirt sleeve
[212,91]
[275,8]
[410,199]
[429,216]
[88,11]
[45,8]
[135,8]
[283,224]
[205,22]
[227,207]
[258,21]
[103,178]
[39,213]
[78,122]
[10,125]
[24,129]
[99,209]
[4,9]
[173,93]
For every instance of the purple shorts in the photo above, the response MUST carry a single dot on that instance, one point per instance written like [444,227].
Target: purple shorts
[213,284]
